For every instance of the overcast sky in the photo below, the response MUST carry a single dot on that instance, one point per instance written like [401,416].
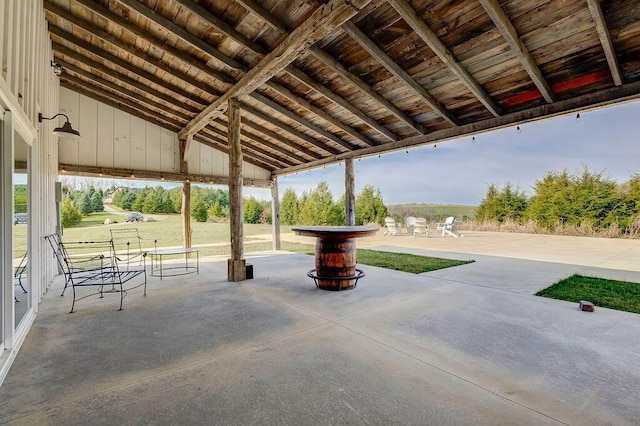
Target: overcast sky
[606,140]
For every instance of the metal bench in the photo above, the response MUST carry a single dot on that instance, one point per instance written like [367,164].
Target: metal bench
[95,264]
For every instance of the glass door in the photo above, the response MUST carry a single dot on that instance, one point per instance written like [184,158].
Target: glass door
[21,279]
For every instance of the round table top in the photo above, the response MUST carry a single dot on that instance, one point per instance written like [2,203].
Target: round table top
[336,231]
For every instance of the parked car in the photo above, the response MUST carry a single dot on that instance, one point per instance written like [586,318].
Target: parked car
[19,218]
[135,217]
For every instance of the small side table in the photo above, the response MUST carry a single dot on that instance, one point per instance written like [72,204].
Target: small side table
[158,270]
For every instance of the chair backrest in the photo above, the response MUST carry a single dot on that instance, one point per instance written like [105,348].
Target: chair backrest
[449,220]
[390,222]
[420,223]
[127,245]
[411,220]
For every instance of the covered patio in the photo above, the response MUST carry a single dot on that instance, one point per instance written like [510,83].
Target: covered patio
[240,92]
[465,345]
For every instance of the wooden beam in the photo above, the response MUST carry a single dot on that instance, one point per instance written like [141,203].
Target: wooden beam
[504,25]
[335,66]
[275,213]
[275,136]
[605,40]
[183,34]
[236,214]
[300,120]
[288,129]
[157,43]
[319,112]
[395,69]
[118,173]
[262,141]
[275,24]
[122,91]
[324,20]
[616,94]
[349,192]
[333,97]
[152,78]
[407,13]
[60,50]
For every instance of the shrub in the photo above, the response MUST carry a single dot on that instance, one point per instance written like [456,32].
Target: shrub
[69,214]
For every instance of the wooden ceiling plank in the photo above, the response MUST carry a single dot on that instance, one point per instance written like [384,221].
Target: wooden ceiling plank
[273,135]
[288,129]
[319,112]
[335,98]
[221,145]
[60,50]
[122,64]
[409,15]
[605,40]
[508,32]
[183,34]
[333,64]
[236,36]
[121,90]
[322,21]
[248,146]
[154,41]
[263,141]
[395,69]
[118,44]
[302,121]
[221,26]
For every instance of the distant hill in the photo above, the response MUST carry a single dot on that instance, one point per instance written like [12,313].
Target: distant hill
[432,212]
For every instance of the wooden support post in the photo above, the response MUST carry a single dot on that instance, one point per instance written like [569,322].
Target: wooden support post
[275,213]
[236,270]
[349,192]
[186,195]
[186,214]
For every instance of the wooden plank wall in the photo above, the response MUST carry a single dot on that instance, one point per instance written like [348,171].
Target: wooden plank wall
[111,138]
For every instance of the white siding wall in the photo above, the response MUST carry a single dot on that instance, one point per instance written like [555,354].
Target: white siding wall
[28,86]
[115,139]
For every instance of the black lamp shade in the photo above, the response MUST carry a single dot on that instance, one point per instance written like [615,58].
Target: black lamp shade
[66,131]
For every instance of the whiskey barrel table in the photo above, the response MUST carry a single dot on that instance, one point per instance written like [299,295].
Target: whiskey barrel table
[336,254]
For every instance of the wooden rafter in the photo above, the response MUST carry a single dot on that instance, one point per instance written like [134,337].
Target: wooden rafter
[324,20]
[605,40]
[182,34]
[395,69]
[504,25]
[335,66]
[262,116]
[407,13]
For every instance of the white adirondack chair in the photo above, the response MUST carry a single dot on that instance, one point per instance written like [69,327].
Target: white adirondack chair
[448,227]
[392,228]
[420,227]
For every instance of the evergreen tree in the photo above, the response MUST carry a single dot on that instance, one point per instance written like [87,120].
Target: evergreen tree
[69,215]
[370,207]
[97,202]
[84,204]
[318,207]
[252,210]
[289,209]
[199,210]
[216,210]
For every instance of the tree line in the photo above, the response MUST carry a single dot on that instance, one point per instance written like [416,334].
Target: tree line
[78,203]
[560,198]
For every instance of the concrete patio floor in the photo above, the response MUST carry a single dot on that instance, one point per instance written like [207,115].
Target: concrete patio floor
[464,345]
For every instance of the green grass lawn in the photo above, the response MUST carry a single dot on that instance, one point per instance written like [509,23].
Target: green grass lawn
[404,262]
[620,295]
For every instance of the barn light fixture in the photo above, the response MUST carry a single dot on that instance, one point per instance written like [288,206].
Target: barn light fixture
[578,118]
[518,130]
[66,131]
